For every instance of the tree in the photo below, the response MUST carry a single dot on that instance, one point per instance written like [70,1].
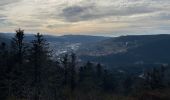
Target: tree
[18,46]
[65,64]
[3,68]
[55,79]
[154,78]
[39,56]
[73,71]
[127,84]
[99,75]
[108,81]
[99,70]
[17,58]
[3,55]
[87,77]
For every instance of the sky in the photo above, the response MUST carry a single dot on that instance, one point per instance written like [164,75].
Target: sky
[86,17]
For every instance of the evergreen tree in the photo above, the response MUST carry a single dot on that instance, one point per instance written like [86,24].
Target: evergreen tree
[3,68]
[55,80]
[127,84]
[16,68]
[99,75]
[18,46]
[65,63]
[87,77]
[81,74]
[73,71]
[99,70]
[108,81]
[154,78]
[39,56]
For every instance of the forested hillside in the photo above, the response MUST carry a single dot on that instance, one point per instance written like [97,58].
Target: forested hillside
[28,71]
[130,50]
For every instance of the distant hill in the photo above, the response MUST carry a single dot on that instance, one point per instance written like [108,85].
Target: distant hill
[64,38]
[119,44]
[130,50]
[116,51]
[84,38]
[76,38]
[5,38]
[70,38]
[60,44]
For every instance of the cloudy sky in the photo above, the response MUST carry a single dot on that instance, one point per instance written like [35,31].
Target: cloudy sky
[92,17]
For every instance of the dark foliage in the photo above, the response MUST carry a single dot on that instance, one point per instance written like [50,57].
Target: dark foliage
[28,72]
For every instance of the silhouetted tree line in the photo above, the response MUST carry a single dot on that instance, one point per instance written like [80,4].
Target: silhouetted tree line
[28,72]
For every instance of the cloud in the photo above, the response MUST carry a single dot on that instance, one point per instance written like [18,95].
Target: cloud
[77,13]
[7,2]
[163,16]
[86,16]
[2,19]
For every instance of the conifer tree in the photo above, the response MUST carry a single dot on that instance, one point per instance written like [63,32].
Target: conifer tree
[18,46]
[39,56]
[99,75]
[17,58]
[73,71]
[3,68]
[108,81]
[65,64]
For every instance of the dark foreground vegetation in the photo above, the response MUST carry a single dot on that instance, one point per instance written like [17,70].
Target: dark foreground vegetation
[29,72]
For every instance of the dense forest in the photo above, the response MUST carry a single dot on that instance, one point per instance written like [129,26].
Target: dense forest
[28,71]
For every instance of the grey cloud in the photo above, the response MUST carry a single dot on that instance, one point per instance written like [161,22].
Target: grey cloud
[52,15]
[5,23]
[58,26]
[26,23]
[164,28]
[6,2]
[77,13]
[2,18]
[164,16]
[159,16]
[2,21]
[90,12]
[75,10]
